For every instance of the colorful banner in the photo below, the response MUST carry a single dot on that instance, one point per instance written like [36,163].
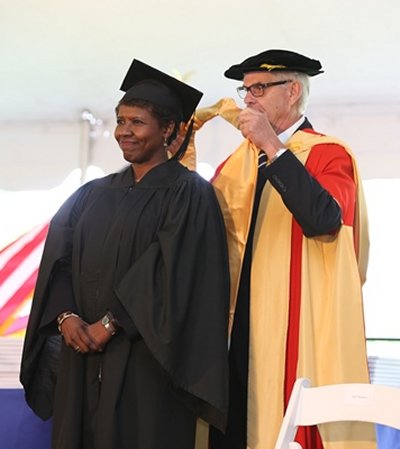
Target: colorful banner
[19,263]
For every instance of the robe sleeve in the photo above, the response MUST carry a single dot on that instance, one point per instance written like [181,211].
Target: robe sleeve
[318,198]
[60,297]
[177,294]
[40,352]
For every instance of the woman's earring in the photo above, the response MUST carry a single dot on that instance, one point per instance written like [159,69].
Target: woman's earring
[165,143]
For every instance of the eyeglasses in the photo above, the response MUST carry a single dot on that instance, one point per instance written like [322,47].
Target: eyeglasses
[257,89]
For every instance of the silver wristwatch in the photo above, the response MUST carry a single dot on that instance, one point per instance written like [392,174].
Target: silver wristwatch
[109,323]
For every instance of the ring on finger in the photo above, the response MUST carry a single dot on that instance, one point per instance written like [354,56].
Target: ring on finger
[77,349]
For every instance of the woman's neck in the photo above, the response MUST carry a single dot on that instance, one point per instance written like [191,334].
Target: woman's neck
[140,170]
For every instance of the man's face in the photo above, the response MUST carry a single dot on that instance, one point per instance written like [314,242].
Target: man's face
[276,102]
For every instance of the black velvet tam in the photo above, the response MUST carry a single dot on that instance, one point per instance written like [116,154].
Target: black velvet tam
[274,61]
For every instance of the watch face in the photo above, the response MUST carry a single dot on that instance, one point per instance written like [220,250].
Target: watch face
[105,320]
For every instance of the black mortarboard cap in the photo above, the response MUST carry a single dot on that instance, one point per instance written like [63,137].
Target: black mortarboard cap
[275,61]
[144,82]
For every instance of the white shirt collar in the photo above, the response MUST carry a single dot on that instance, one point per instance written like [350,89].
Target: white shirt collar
[285,135]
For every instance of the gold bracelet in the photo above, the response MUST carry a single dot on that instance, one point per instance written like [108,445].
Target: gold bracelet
[62,317]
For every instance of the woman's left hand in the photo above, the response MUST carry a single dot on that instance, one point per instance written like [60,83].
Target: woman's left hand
[99,334]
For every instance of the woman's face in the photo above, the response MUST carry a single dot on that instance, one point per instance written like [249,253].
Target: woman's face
[140,136]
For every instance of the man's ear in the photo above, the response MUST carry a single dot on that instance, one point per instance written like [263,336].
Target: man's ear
[296,89]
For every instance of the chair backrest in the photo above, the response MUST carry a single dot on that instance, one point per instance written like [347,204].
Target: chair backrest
[340,402]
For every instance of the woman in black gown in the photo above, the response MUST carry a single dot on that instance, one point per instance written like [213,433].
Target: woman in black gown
[126,344]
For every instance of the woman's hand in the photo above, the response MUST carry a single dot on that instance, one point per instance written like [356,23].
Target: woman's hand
[99,334]
[78,336]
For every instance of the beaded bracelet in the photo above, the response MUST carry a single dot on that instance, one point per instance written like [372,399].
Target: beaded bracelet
[62,317]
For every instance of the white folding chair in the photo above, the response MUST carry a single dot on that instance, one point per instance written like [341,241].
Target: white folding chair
[340,402]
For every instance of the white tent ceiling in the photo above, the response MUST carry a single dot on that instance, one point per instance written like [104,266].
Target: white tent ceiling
[59,57]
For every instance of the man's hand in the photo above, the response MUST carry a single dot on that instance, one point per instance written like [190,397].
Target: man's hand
[255,126]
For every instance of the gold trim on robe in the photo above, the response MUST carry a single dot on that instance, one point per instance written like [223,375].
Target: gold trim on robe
[332,345]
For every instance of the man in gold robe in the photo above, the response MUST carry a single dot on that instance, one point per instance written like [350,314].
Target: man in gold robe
[297,232]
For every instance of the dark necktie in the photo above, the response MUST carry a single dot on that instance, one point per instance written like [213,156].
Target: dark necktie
[262,159]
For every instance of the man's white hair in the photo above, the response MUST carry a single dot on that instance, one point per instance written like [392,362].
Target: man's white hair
[304,80]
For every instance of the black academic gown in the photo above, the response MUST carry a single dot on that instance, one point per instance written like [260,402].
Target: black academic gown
[155,254]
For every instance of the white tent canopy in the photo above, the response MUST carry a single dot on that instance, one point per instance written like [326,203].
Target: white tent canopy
[60,58]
